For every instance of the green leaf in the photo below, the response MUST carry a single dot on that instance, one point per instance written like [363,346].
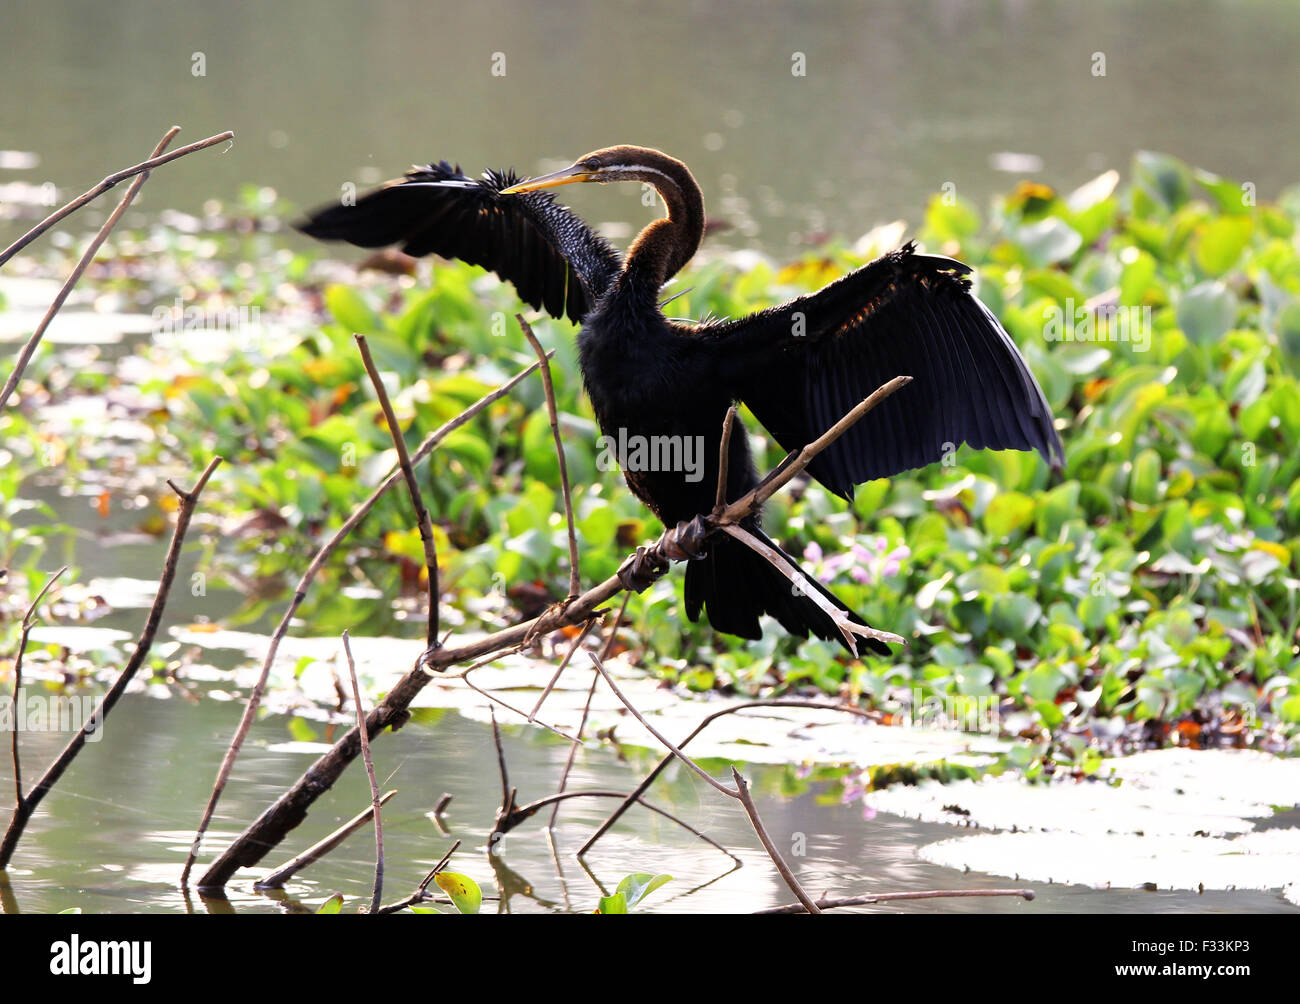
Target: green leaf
[1164,179]
[639,885]
[463,890]
[348,308]
[1136,279]
[1049,241]
[1207,312]
[332,905]
[1228,195]
[1144,481]
[1007,513]
[1219,243]
[612,904]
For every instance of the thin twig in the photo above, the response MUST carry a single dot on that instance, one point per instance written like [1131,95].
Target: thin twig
[318,850]
[724,458]
[796,462]
[752,811]
[412,485]
[510,707]
[375,801]
[144,167]
[300,594]
[847,627]
[586,708]
[523,812]
[507,794]
[600,668]
[575,582]
[25,356]
[420,893]
[827,903]
[27,623]
[550,685]
[99,716]
[640,789]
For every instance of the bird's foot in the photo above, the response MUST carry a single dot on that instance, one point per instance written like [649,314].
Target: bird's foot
[642,569]
[686,541]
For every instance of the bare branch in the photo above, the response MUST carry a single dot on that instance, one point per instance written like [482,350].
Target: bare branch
[144,167]
[300,594]
[641,788]
[142,175]
[826,903]
[99,716]
[412,486]
[724,458]
[600,668]
[27,624]
[291,807]
[752,811]
[575,582]
[318,850]
[796,462]
[546,691]
[375,801]
[848,628]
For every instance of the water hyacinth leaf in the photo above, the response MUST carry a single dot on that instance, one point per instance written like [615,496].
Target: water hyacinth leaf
[1207,312]
[1144,482]
[1219,243]
[332,905]
[1049,241]
[1164,179]
[1136,279]
[463,890]
[1229,196]
[639,885]
[950,219]
[352,312]
[1007,513]
[612,904]
[1044,682]
[1015,615]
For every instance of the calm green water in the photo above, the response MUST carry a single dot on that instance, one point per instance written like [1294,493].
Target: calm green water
[897,98]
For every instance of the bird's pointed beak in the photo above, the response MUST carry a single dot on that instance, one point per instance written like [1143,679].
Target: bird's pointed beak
[566,177]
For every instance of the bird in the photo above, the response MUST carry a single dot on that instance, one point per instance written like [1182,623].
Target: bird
[798,367]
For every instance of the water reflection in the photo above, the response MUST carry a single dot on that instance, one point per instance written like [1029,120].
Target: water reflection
[114,834]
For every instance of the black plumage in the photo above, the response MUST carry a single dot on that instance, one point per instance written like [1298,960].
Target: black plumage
[799,366]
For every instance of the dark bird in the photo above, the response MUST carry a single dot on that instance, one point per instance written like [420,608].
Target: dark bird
[799,366]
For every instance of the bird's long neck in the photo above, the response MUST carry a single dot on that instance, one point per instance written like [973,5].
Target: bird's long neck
[664,247]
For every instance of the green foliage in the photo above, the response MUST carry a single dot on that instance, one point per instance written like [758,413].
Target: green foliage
[465,894]
[1156,573]
[631,891]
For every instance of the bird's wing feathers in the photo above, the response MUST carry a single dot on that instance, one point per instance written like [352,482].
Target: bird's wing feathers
[801,366]
[555,261]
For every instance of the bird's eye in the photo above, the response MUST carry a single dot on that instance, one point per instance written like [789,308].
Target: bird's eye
[590,165]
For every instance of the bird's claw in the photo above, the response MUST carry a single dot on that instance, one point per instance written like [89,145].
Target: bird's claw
[640,571]
[687,540]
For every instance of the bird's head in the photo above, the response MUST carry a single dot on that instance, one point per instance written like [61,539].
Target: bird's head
[614,163]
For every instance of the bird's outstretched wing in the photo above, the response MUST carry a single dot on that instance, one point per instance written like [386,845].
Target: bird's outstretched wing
[555,261]
[801,366]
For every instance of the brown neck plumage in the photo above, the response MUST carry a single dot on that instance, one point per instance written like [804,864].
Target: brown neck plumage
[664,247]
